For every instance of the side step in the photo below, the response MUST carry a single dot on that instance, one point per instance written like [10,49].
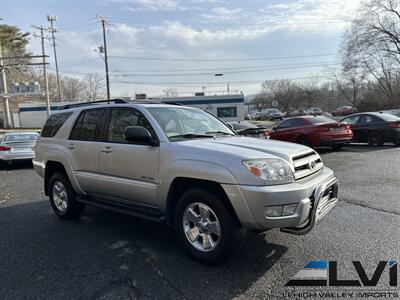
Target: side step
[139,211]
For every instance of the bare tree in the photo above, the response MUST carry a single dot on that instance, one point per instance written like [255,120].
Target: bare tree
[73,89]
[372,47]
[94,89]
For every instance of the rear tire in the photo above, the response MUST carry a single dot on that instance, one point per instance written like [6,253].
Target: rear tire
[304,140]
[63,198]
[375,139]
[205,227]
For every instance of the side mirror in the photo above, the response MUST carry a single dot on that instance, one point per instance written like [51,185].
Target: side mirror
[274,128]
[139,135]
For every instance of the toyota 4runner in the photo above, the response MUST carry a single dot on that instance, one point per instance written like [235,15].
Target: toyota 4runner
[181,166]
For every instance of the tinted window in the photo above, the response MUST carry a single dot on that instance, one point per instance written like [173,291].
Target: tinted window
[298,123]
[226,112]
[286,124]
[89,126]
[122,118]
[54,123]
[370,119]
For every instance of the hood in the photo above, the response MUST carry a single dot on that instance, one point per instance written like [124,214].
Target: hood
[249,148]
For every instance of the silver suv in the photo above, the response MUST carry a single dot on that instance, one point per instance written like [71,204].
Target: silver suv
[184,167]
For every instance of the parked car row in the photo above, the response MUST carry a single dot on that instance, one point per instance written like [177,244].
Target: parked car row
[316,131]
[275,114]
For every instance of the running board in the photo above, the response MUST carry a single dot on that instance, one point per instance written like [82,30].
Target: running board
[143,212]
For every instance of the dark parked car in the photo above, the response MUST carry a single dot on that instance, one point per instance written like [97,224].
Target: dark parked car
[313,131]
[248,129]
[374,128]
[272,114]
[295,113]
[344,111]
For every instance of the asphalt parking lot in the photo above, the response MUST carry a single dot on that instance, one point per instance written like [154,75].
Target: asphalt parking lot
[104,255]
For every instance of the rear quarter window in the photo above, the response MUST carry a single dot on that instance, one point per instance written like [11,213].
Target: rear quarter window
[54,123]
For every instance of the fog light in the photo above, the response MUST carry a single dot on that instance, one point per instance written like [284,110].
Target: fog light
[273,211]
[289,209]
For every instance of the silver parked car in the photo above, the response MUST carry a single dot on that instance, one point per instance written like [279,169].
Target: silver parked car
[17,146]
[184,167]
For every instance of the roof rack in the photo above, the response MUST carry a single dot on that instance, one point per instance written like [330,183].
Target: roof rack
[172,103]
[116,101]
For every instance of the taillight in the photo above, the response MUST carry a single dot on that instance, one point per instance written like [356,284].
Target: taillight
[5,148]
[394,125]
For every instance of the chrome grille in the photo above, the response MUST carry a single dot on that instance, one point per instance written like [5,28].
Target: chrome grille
[306,164]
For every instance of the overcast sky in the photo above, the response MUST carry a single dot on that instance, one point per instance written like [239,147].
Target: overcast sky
[156,44]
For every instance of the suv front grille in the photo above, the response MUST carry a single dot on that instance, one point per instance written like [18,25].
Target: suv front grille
[306,165]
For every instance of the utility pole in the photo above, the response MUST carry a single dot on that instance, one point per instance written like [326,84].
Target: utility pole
[7,113]
[103,21]
[42,29]
[52,19]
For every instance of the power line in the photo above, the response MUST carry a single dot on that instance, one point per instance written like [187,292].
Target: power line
[227,72]
[211,83]
[229,68]
[222,59]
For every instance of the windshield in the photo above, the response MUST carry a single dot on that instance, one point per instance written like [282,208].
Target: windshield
[181,122]
[21,137]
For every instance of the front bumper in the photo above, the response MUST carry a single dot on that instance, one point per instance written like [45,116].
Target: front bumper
[249,202]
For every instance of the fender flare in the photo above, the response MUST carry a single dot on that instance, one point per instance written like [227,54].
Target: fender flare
[194,169]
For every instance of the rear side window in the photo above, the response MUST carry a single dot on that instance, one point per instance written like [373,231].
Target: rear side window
[54,123]
[89,126]
[370,119]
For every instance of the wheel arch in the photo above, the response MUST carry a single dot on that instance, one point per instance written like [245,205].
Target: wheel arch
[182,184]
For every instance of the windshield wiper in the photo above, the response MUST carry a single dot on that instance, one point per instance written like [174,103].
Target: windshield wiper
[219,132]
[191,136]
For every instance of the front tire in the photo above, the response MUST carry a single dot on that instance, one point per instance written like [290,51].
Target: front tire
[304,140]
[205,227]
[63,198]
[375,139]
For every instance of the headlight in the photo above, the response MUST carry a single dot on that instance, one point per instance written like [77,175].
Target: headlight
[272,170]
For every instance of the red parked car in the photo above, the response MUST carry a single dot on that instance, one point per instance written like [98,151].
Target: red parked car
[344,111]
[312,131]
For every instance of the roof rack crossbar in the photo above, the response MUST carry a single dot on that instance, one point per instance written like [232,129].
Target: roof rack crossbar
[116,101]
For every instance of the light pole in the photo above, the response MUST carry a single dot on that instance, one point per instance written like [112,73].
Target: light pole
[46,82]
[104,49]
[52,19]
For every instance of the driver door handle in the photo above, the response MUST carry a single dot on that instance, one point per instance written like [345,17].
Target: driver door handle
[106,149]
[71,146]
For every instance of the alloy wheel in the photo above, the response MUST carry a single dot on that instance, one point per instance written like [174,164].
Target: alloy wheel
[60,196]
[201,227]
